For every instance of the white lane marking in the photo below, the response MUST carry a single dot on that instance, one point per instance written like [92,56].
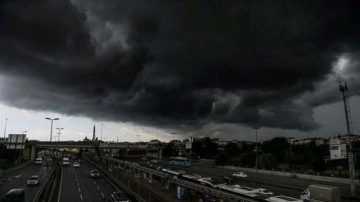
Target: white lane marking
[78,184]
[79,190]
[94,182]
[60,185]
[81,197]
[102,195]
[98,188]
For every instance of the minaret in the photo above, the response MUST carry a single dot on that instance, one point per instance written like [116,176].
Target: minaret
[93,134]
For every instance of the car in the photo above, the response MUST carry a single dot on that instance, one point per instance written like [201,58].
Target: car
[154,161]
[264,191]
[119,196]
[14,195]
[239,174]
[38,161]
[65,161]
[33,181]
[229,180]
[76,164]
[94,173]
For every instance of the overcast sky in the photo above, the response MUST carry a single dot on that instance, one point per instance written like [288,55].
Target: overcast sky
[193,68]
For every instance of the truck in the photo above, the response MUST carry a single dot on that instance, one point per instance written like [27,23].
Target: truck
[321,193]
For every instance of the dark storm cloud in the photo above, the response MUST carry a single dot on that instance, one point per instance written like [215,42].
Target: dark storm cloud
[244,62]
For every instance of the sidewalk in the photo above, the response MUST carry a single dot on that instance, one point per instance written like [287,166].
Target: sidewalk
[17,167]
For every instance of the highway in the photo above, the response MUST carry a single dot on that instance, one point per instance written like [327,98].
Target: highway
[76,185]
[18,178]
[277,184]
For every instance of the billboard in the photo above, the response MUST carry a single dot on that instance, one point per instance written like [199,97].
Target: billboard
[337,149]
[16,141]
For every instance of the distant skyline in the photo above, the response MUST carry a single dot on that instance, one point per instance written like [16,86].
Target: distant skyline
[77,128]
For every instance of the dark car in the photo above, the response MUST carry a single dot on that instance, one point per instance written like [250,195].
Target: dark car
[119,196]
[14,195]
[228,180]
[94,174]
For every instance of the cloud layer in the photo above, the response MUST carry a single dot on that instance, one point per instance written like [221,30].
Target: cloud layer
[159,62]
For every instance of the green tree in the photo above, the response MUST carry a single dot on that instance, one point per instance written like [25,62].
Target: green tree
[267,161]
[232,149]
[210,149]
[319,165]
[278,147]
[235,161]
[168,150]
[197,148]
[222,158]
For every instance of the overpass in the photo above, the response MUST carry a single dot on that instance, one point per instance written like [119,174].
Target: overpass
[62,144]
[128,151]
[31,146]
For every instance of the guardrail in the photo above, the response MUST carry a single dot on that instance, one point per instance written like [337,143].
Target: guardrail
[52,182]
[125,183]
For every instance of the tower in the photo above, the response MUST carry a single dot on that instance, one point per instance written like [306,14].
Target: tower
[93,133]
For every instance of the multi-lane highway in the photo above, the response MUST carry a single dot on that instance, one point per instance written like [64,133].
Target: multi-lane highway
[277,184]
[76,185]
[17,179]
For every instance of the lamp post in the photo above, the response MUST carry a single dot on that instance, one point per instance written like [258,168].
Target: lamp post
[59,133]
[5,128]
[256,148]
[52,120]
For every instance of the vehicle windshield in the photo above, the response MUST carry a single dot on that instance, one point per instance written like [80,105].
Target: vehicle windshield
[33,178]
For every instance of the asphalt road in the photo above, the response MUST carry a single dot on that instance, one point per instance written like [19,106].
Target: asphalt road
[78,186]
[18,178]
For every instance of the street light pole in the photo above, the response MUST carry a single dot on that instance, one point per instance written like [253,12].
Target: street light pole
[59,133]
[52,120]
[256,148]
[5,128]
[101,131]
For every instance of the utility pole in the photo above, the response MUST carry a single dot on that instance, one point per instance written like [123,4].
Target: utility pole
[59,133]
[5,128]
[256,148]
[101,131]
[343,89]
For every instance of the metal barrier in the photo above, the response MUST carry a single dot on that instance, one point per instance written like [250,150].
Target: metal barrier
[52,182]
[113,163]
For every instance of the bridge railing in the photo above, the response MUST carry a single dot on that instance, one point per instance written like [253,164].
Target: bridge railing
[48,189]
[169,179]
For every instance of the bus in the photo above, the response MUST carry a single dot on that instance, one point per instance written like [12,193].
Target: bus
[180,161]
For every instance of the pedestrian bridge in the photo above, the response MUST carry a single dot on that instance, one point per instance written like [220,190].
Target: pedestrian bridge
[61,144]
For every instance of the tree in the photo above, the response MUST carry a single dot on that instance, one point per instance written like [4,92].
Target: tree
[168,150]
[210,149]
[267,161]
[319,165]
[232,149]
[197,148]
[278,147]
[222,158]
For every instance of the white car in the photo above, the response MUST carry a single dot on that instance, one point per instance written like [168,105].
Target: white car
[239,174]
[264,191]
[76,164]
[38,161]
[33,180]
